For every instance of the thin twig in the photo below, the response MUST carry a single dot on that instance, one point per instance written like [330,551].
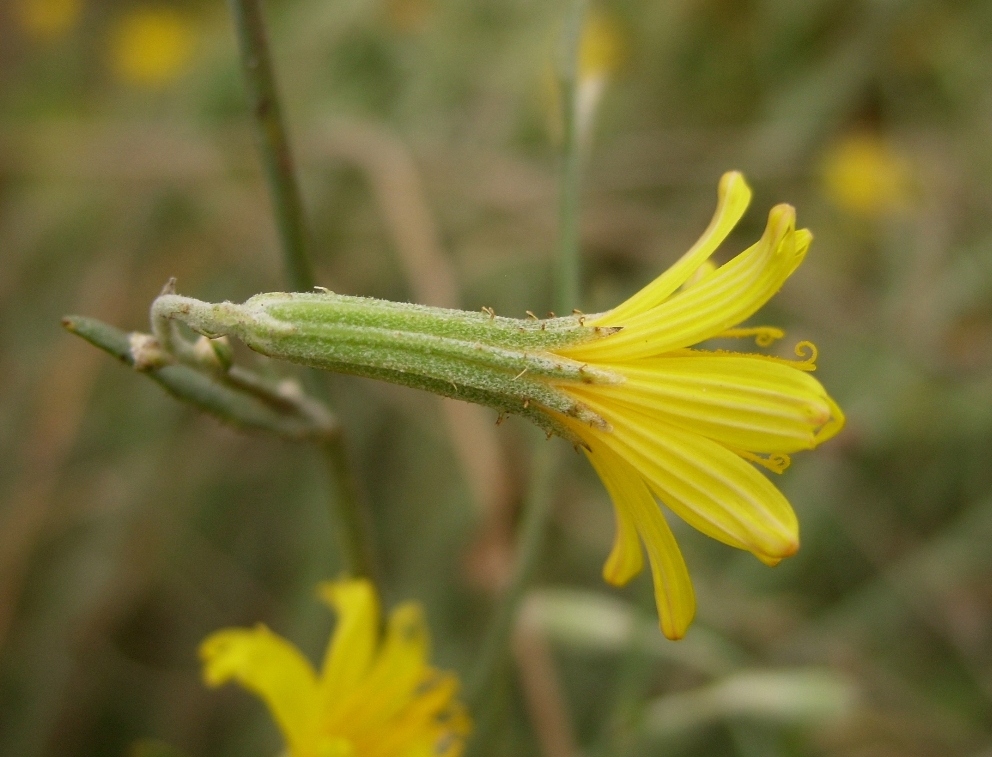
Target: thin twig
[256,63]
[250,403]
[351,518]
[567,286]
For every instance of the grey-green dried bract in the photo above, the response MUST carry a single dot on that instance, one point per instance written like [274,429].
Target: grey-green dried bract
[239,398]
[505,363]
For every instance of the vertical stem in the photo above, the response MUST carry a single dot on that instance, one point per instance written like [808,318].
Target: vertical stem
[567,285]
[351,519]
[256,63]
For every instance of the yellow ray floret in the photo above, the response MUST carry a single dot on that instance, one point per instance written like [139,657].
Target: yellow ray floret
[687,426]
[373,697]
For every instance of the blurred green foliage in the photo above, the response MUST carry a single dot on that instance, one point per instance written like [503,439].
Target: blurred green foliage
[131,526]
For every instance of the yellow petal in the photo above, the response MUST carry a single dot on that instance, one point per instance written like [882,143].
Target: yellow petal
[335,746]
[356,635]
[673,592]
[706,484]
[732,293]
[733,195]
[743,402]
[275,670]
[836,423]
[391,684]
[434,718]
[625,560]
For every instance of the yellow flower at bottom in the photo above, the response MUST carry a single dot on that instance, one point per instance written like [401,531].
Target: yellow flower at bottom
[687,425]
[373,697]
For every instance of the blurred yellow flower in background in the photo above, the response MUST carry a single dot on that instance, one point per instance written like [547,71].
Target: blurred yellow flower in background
[151,46]
[686,425]
[408,16]
[48,19]
[865,175]
[603,49]
[373,697]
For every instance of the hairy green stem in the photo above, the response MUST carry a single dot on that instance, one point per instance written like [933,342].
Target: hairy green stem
[277,159]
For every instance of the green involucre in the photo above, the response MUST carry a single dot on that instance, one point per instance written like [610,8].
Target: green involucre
[504,363]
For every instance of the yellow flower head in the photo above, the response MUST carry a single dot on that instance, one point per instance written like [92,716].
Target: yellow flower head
[372,697]
[658,417]
[864,175]
[686,425]
[150,47]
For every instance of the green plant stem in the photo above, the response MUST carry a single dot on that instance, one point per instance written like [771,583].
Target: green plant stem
[351,519]
[277,159]
[238,398]
[256,63]
[567,285]
[530,539]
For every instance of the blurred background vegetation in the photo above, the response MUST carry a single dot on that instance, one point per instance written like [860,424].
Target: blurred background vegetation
[131,526]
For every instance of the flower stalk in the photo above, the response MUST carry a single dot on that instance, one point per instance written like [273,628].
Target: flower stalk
[277,158]
[240,398]
[568,279]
